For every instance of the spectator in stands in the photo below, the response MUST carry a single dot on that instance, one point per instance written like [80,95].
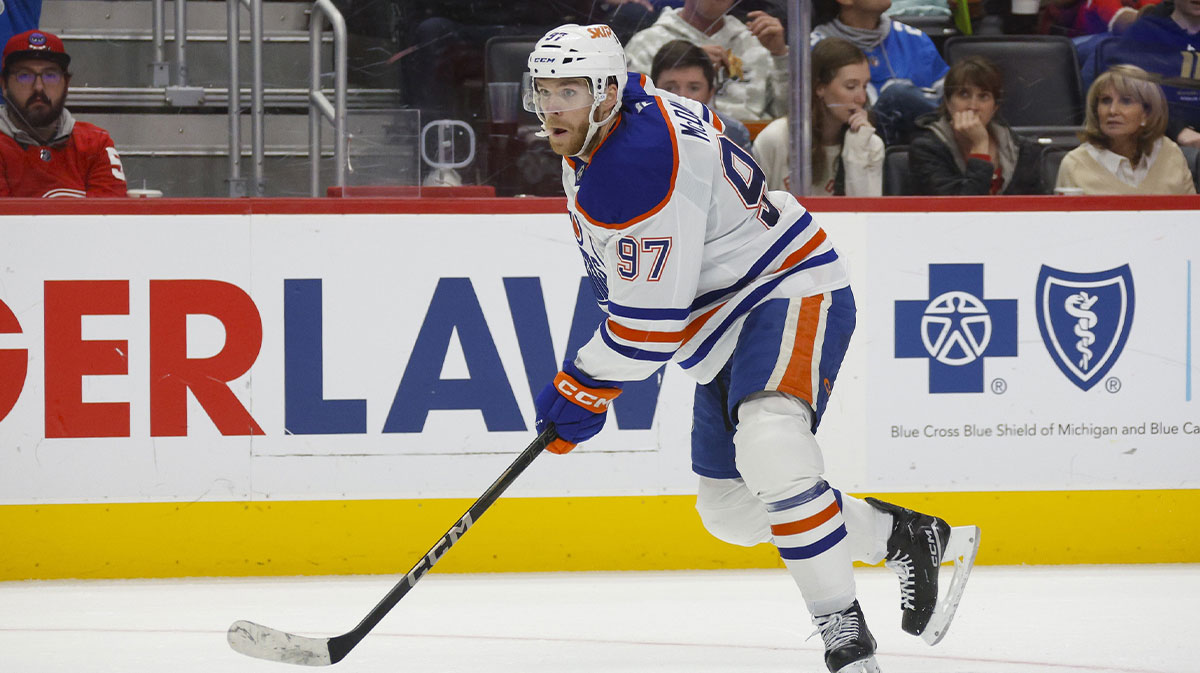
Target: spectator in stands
[1164,40]
[1124,150]
[627,17]
[964,149]
[1080,18]
[44,152]
[847,156]
[684,69]
[18,16]
[750,58]
[906,68]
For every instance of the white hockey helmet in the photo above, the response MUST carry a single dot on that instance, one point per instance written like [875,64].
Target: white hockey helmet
[572,51]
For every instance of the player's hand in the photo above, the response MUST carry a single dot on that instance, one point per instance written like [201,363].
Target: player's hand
[968,127]
[576,404]
[769,31]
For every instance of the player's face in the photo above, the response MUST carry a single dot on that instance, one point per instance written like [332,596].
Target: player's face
[38,90]
[847,93]
[971,97]
[565,103]
[1120,115]
[688,82]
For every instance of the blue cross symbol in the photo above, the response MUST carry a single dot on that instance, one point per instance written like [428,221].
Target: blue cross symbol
[956,328]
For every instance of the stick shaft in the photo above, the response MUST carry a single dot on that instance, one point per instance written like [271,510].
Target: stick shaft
[341,645]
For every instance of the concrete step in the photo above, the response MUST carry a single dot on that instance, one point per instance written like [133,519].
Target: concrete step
[99,99]
[127,62]
[207,176]
[112,43]
[369,131]
[187,154]
[126,17]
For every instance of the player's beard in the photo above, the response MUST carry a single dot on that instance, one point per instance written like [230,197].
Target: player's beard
[570,143]
[42,115]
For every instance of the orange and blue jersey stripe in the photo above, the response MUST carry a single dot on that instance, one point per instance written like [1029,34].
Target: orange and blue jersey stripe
[694,318]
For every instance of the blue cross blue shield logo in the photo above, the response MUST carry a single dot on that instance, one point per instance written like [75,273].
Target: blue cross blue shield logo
[1085,320]
[956,328]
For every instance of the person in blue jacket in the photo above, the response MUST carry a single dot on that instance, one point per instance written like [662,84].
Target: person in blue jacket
[906,68]
[18,16]
[1164,41]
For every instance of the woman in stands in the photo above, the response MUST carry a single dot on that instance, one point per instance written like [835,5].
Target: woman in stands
[1124,149]
[847,155]
[963,148]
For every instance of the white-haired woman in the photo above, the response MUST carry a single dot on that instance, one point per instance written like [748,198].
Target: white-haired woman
[1124,149]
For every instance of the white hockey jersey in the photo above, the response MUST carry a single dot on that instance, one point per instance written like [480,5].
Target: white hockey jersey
[681,239]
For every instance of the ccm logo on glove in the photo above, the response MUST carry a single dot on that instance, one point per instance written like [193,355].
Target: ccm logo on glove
[595,400]
[576,404]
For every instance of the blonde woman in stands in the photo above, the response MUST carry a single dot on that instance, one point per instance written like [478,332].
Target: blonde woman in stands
[847,155]
[1124,148]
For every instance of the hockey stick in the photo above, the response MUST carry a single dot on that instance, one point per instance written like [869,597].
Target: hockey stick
[263,642]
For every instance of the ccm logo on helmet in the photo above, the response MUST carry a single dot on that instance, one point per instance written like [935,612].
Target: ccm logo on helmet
[582,397]
[544,59]
[600,31]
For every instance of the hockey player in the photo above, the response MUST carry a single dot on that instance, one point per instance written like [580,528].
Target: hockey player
[695,262]
[44,152]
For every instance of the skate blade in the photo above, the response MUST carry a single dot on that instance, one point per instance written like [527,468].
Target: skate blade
[960,550]
[867,665]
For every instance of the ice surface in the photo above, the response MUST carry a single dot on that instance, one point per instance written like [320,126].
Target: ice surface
[1093,619]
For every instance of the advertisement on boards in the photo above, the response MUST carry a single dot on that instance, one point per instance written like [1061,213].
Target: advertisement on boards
[255,357]
[1036,351]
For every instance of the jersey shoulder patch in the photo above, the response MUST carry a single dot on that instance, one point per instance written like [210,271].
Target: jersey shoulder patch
[632,173]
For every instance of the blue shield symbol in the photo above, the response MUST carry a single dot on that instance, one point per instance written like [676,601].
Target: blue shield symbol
[1085,319]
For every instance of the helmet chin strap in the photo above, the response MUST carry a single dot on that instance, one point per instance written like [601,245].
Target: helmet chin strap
[594,126]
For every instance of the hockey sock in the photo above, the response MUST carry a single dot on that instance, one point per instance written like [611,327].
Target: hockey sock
[867,529]
[810,532]
[781,464]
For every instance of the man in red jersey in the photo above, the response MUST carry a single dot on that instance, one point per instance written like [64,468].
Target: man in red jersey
[44,152]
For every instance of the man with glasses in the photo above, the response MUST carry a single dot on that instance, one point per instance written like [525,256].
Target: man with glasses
[44,152]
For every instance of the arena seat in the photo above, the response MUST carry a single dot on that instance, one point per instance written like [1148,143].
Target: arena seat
[1052,157]
[1042,83]
[897,178]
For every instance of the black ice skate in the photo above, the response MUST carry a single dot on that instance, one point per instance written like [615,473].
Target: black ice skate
[849,646]
[917,547]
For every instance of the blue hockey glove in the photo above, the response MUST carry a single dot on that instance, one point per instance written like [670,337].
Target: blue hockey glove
[576,404]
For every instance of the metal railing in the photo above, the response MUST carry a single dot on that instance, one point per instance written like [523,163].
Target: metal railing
[175,80]
[160,73]
[319,105]
[180,94]
[237,184]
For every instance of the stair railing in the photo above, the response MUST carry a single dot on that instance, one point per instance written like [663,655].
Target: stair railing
[319,106]
[237,184]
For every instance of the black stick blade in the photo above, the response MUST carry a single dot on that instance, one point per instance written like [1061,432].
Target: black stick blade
[264,642]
